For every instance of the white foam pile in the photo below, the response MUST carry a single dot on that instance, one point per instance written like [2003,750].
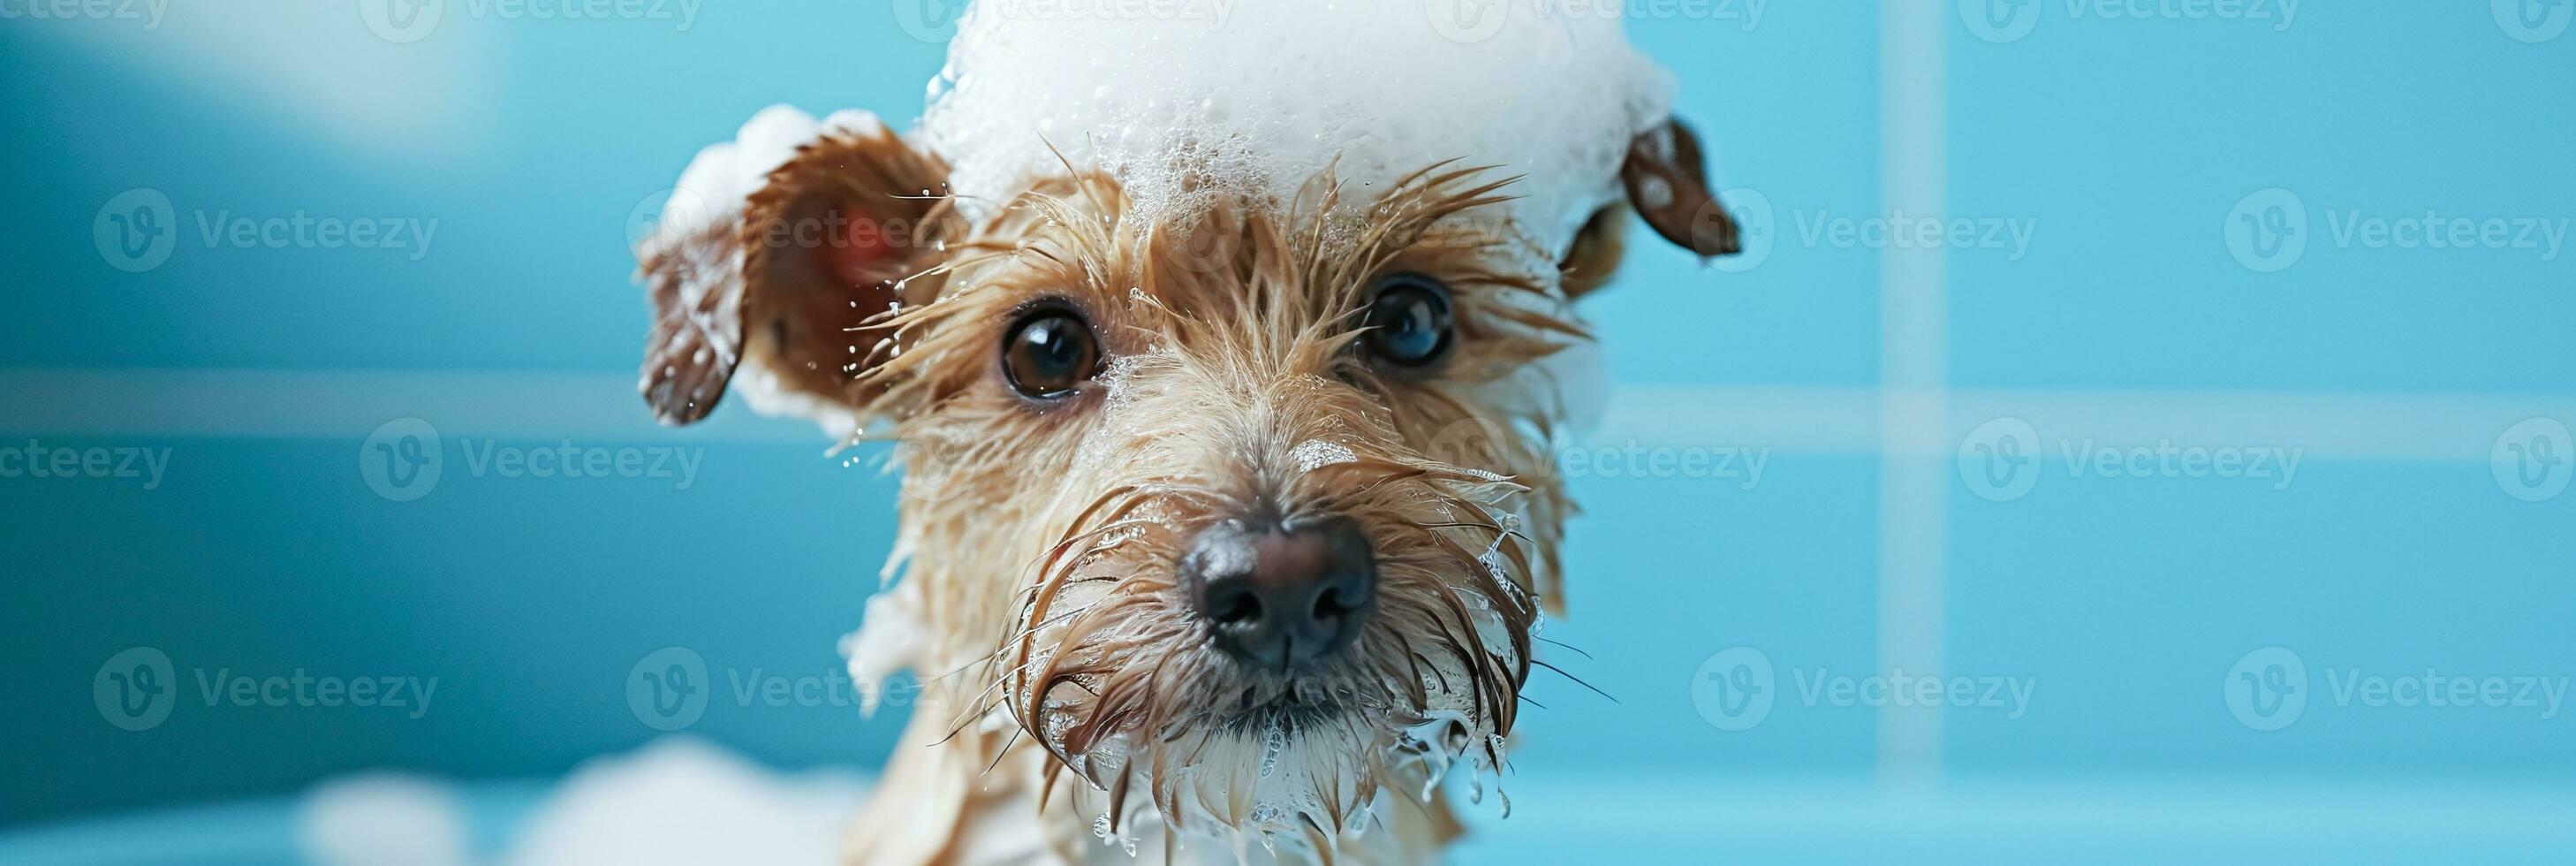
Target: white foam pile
[724,175]
[1253,97]
[676,801]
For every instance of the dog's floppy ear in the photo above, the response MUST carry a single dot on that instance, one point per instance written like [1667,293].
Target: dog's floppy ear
[1596,252]
[779,287]
[1668,185]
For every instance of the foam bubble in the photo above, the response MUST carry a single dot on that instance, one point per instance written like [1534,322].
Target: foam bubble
[1314,454]
[385,819]
[1251,103]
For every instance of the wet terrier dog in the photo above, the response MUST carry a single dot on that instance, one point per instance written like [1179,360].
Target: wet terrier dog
[1233,525]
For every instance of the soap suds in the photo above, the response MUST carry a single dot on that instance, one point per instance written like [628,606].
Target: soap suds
[1314,454]
[889,640]
[1252,104]
[384,819]
[724,175]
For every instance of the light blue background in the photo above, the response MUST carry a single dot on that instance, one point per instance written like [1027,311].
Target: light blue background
[2123,142]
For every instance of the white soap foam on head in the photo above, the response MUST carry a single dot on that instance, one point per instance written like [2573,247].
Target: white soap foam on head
[1253,102]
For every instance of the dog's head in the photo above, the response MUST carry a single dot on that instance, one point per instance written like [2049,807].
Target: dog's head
[1240,513]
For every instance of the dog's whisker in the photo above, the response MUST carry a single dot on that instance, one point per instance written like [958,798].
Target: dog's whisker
[1570,647]
[961,726]
[1577,680]
[1003,752]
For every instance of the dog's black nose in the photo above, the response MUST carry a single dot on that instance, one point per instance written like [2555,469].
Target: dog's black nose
[1281,597]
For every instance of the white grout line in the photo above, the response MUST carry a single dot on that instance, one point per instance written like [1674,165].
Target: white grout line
[348,404]
[1825,421]
[1914,347]
[2003,811]
[2329,426]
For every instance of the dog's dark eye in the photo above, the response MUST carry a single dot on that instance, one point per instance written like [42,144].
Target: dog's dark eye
[1049,353]
[1408,320]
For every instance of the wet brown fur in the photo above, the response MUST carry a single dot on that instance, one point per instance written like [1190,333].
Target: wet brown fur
[1231,361]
